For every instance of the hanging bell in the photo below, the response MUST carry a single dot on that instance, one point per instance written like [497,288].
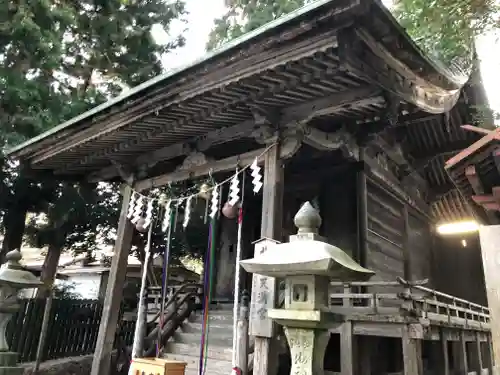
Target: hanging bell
[204,191]
[229,211]
[140,225]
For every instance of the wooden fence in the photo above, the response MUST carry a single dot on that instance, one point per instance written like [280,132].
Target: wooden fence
[72,331]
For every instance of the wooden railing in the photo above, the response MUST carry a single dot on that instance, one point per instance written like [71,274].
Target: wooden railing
[72,331]
[74,324]
[154,294]
[412,299]
[182,302]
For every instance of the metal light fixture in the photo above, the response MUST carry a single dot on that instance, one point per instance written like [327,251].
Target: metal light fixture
[458,227]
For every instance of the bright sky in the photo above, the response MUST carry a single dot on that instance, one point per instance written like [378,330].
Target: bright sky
[203,12]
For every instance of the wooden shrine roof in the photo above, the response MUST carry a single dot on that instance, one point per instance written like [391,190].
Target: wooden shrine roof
[308,65]
[475,171]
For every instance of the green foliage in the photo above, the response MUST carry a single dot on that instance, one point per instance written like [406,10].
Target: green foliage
[446,29]
[247,15]
[66,290]
[58,59]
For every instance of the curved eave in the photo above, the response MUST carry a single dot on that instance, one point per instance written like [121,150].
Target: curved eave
[408,73]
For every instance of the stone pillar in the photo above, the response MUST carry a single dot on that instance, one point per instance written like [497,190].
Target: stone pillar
[490,251]
[307,349]
[13,278]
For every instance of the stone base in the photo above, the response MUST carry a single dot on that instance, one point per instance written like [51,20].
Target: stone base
[11,370]
[8,359]
[8,364]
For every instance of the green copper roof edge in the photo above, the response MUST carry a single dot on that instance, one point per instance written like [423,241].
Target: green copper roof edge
[240,40]
[206,57]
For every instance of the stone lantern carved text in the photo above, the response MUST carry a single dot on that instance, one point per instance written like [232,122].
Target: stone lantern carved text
[263,295]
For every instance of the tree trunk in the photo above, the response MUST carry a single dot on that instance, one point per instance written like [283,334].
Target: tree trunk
[49,270]
[14,224]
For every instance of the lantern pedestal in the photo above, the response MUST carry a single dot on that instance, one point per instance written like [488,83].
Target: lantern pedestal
[13,278]
[307,349]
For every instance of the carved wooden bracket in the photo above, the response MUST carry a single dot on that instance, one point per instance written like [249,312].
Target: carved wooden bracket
[194,159]
[125,172]
[339,140]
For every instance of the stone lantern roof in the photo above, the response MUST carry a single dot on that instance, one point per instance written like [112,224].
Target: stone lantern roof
[307,253]
[13,273]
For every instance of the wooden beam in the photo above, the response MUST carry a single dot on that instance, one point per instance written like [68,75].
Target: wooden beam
[265,358]
[473,178]
[488,203]
[201,143]
[290,146]
[290,116]
[425,156]
[114,291]
[479,130]
[489,237]
[472,149]
[330,104]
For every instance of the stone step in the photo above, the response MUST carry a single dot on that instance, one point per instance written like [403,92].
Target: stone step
[214,366]
[224,339]
[213,352]
[214,327]
[213,316]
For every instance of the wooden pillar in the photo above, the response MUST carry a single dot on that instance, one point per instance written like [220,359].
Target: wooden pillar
[406,244]
[365,346]
[490,250]
[265,359]
[412,353]
[476,360]
[114,291]
[460,356]
[347,350]
[489,349]
[362,198]
[444,360]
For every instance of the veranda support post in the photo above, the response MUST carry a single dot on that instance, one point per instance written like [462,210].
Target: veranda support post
[490,250]
[272,202]
[114,291]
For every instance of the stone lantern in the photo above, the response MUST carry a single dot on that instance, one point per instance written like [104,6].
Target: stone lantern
[13,278]
[307,264]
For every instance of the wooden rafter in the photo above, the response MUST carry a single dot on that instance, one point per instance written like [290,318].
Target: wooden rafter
[289,116]
[490,202]
[474,148]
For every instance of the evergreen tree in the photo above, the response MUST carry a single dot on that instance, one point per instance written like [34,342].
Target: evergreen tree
[444,29]
[447,29]
[58,59]
[244,16]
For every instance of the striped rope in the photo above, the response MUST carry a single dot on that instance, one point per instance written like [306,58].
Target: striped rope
[208,287]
